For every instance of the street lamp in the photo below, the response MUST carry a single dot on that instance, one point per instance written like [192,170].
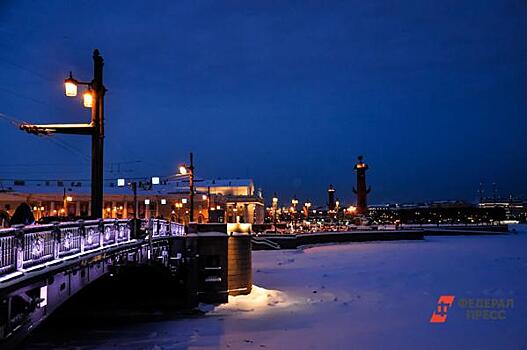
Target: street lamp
[70,86]
[294,203]
[145,185]
[88,98]
[275,209]
[307,205]
[94,99]
[185,170]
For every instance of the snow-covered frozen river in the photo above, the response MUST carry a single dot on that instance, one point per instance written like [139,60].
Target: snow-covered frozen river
[352,296]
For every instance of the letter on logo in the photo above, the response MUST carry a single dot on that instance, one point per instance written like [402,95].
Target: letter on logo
[443,304]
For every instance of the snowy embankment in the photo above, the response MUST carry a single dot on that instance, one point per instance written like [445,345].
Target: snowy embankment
[381,296]
[377,295]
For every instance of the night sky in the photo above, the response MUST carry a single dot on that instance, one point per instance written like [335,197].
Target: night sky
[432,93]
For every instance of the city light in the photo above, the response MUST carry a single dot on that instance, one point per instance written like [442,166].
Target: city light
[88,98]
[69,199]
[184,200]
[120,182]
[163,201]
[183,170]
[70,86]
[351,209]
[147,201]
[155,180]
[204,197]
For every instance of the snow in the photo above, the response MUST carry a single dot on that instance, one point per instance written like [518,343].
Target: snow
[377,295]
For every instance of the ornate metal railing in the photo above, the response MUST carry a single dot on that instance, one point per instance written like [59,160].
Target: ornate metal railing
[23,247]
[161,228]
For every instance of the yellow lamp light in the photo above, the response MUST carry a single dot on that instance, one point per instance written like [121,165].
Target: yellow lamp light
[88,98]
[183,170]
[70,86]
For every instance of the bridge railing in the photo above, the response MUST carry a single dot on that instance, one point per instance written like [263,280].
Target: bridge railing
[22,247]
[162,228]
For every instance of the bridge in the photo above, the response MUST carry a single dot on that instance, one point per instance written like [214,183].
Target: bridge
[42,266]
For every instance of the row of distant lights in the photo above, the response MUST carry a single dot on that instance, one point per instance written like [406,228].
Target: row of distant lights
[156,181]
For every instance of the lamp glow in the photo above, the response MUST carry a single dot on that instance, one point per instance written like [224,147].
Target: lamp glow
[163,201]
[147,201]
[120,182]
[88,98]
[155,180]
[70,86]
[183,170]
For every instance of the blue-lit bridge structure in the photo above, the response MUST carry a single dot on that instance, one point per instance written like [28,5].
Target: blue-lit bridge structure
[42,266]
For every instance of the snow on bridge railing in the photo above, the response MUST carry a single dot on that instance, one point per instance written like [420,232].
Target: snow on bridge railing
[22,247]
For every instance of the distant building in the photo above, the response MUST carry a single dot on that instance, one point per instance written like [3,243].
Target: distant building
[214,200]
[436,212]
[515,209]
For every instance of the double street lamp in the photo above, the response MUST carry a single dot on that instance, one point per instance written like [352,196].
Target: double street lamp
[294,203]
[188,170]
[93,98]
[275,209]
[307,205]
[146,185]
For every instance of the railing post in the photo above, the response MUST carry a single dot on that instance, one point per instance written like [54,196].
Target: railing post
[82,230]
[100,226]
[131,227]
[56,240]
[116,230]
[18,252]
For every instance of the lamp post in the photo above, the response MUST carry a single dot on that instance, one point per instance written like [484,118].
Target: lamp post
[294,203]
[146,185]
[94,99]
[307,205]
[275,208]
[189,170]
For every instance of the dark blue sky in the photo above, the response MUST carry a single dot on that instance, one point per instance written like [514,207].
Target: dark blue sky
[433,93]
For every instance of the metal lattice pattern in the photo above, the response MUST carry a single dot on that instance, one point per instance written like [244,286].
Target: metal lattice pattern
[38,247]
[7,256]
[70,240]
[23,247]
